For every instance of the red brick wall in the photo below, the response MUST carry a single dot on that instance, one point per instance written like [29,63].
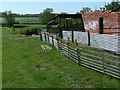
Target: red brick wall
[111,21]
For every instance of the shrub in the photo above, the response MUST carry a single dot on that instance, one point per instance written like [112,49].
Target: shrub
[9,18]
[26,31]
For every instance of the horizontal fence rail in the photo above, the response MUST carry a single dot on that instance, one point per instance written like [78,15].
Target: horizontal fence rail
[97,59]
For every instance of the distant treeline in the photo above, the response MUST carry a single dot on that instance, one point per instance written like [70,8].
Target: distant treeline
[2,14]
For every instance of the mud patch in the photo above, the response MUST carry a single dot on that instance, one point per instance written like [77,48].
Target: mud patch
[24,36]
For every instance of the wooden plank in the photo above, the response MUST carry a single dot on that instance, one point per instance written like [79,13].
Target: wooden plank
[101,64]
[99,53]
[101,58]
[91,59]
[112,66]
[114,73]
[92,68]
[69,51]
[92,62]
[73,50]
[112,69]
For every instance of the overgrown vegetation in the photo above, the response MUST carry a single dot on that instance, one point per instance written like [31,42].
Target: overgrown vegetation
[113,6]
[25,30]
[85,10]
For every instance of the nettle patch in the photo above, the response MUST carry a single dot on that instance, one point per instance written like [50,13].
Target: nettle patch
[42,48]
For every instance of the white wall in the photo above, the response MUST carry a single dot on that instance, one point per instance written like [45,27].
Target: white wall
[108,42]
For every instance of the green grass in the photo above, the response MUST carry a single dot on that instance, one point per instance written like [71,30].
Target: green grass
[20,59]
[24,19]
[27,19]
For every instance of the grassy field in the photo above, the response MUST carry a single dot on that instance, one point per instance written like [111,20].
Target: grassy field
[24,19]
[24,67]
[28,19]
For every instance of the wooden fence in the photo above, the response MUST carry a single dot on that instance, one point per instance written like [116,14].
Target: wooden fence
[102,61]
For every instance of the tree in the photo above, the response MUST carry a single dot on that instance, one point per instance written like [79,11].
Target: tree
[102,9]
[77,13]
[46,15]
[9,18]
[113,6]
[63,13]
[85,10]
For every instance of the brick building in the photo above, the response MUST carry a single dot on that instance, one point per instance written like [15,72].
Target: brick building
[111,22]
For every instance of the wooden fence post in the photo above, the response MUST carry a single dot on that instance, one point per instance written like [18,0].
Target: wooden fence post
[72,35]
[88,38]
[40,36]
[58,43]
[48,37]
[77,50]
[45,36]
[60,33]
[101,25]
[68,46]
[59,28]
[52,40]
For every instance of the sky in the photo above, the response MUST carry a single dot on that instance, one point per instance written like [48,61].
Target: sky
[35,7]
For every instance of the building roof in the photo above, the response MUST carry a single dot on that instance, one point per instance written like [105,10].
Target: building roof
[65,16]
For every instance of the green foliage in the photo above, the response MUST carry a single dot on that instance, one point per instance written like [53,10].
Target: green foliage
[77,13]
[26,31]
[63,13]
[46,15]
[85,10]
[9,18]
[74,24]
[113,6]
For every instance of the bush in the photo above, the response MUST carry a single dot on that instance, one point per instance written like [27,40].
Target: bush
[9,18]
[26,31]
